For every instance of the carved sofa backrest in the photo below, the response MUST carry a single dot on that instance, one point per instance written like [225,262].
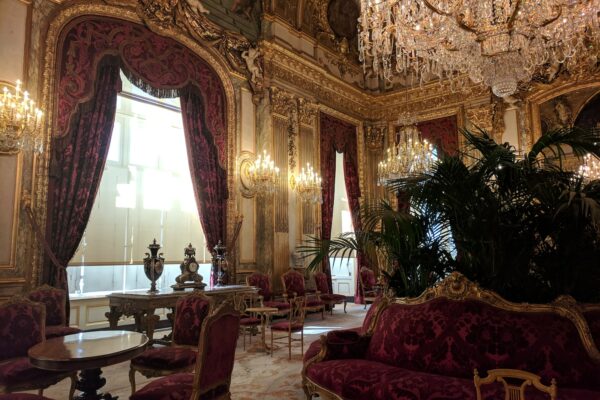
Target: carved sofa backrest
[456,327]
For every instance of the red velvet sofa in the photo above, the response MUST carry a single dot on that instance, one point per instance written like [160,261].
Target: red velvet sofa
[427,348]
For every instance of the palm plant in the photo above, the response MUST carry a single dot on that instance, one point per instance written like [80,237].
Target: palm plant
[522,226]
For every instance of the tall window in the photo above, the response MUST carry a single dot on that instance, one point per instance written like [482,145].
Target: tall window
[145,193]
[342,221]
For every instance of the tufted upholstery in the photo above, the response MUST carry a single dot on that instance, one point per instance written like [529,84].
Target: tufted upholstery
[315,347]
[166,358]
[55,301]
[328,298]
[190,312]
[262,282]
[22,325]
[212,375]
[22,396]
[452,338]
[293,282]
[429,350]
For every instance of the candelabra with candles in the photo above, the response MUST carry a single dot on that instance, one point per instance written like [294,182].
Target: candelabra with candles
[20,121]
[308,185]
[590,169]
[263,174]
[412,155]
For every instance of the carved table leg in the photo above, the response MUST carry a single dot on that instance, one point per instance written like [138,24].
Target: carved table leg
[151,321]
[90,380]
[138,317]
[113,316]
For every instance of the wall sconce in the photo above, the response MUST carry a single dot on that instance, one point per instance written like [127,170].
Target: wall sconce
[258,175]
[20,121]
[308,185]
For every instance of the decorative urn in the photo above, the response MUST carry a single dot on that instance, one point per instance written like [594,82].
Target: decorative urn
[154,264]
[219,264]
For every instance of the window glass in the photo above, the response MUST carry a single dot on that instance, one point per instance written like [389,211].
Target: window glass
[342,220]
[145,193]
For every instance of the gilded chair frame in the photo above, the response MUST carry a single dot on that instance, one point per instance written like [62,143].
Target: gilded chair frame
[225,309]
[295,316]
[155,372]
[514,391]
[36,384]
[370,298]
[241,302]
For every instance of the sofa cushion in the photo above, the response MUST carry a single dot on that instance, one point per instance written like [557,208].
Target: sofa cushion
[333,297]
[166,358]
[362,379]
[335,375]
[451,338]
[19,371]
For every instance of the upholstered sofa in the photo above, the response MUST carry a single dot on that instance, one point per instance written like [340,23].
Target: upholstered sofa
[428,348]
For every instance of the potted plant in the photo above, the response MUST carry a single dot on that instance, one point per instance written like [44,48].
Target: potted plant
[524,227]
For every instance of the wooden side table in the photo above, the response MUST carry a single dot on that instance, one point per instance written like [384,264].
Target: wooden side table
[88,352]
[265,313]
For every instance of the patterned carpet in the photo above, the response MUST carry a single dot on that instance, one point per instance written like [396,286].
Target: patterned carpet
[255,375]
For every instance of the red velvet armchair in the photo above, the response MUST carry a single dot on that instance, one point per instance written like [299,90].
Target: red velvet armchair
[22,325]
[55,301]
[216,355]
[293,284]
[190,313]
[368,285]
[329,299]
[263,283]
[22,396]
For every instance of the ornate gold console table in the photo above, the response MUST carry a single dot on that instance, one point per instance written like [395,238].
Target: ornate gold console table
[141,305]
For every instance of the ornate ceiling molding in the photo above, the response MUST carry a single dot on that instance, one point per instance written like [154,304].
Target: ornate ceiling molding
[188,17]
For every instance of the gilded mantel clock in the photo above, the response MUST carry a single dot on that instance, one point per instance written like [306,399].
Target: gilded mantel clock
[189,278]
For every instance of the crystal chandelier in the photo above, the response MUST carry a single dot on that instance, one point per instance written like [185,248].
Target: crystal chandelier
[308,185]
[411,156]
[263,174]
[497,42]
[20,121]
[590,169]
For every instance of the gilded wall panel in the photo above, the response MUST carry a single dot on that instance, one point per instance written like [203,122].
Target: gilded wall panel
[280,156]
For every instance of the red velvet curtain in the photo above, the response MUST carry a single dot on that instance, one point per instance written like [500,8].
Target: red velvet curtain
[210,178]
[442,133]
[339,136]
[76,167]
[160,66]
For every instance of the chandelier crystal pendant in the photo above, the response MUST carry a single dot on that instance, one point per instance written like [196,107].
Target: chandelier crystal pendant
[20,121]
[411,156]
[263,174]
[590,169]
[308,185]
[497,42]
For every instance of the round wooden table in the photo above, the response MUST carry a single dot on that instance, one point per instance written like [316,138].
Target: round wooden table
[264,313]
[88,352]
